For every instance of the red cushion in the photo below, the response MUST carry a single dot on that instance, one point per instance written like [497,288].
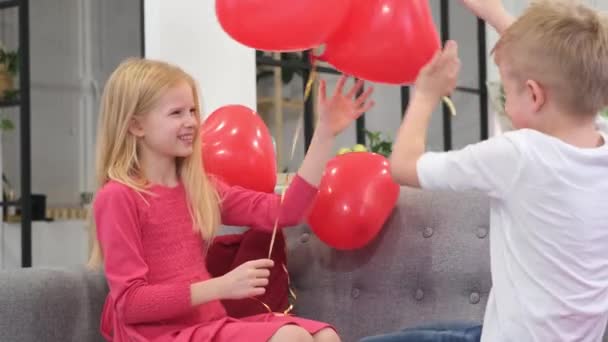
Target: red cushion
[229,251]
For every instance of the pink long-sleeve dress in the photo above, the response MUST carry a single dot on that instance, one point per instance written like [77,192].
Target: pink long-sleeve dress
[152,255]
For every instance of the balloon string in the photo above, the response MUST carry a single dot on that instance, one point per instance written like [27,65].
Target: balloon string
[311,77]
[307,92]
[292,294]
[276,221]
[294,144]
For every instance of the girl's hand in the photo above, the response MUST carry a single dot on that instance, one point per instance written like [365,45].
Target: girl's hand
[341,109]
[248,280]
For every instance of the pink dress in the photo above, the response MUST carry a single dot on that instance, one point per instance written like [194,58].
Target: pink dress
[152,256]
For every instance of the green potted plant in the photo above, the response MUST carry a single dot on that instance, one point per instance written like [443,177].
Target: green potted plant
[376,143]
[496,94]
[6,125]
[9,67]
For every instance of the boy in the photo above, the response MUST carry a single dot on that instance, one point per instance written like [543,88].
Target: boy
[547,181]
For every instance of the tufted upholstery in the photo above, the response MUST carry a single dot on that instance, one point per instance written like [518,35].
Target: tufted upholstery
[50,305]
[431,262]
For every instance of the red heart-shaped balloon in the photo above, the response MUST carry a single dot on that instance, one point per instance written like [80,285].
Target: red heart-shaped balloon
[237,148]
[385,41]
[281,25]
[356,196]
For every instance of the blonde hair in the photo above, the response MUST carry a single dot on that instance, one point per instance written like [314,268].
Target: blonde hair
[133,89]
[564,46]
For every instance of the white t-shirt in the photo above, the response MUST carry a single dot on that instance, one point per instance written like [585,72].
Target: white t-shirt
[549,232]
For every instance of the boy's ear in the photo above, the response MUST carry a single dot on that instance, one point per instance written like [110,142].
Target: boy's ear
[136,128]
[538,94]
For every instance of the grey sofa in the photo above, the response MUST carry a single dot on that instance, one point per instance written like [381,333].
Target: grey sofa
[430,263]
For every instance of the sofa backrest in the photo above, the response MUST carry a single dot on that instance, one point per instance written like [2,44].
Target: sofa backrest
[430,263]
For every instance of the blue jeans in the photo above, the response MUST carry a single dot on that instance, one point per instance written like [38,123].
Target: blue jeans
[441,332]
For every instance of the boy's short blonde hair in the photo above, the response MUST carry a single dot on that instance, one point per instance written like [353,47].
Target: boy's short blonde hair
[563,45]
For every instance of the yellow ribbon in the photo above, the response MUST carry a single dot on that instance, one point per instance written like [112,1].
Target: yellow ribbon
[288,310]
[448,102]
[294,143]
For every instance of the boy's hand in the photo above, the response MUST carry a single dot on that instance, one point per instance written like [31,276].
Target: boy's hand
[485,9]
[438,78]
[492,11]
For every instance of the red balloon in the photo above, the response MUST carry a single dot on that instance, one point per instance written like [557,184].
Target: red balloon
[384,41]
[356,196]
[281,25]
[237,148]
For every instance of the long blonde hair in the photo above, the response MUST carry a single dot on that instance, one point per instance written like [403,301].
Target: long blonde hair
[133,89]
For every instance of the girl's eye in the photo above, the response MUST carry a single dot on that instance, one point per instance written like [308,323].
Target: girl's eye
[192,110]
[176,112]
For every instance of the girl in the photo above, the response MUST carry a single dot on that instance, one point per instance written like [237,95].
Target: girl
[156,209]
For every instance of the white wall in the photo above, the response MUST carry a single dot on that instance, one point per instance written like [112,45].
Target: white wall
[187,33]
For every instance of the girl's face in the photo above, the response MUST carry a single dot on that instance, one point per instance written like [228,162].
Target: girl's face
[169,129]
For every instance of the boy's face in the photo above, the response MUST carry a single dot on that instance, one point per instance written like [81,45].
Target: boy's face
[521,100]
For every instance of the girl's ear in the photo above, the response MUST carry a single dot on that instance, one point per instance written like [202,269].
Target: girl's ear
[136,128]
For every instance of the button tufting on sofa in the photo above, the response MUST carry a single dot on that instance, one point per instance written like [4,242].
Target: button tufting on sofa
[401,282]
[304,238]
[419,295]
[482,232]
[474,298]
[428,232]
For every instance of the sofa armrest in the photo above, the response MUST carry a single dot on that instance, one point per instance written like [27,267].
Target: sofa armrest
[51,304]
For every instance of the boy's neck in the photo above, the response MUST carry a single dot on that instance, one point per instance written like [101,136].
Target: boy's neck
[581,133]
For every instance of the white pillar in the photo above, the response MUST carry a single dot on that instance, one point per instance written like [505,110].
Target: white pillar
[187,33]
